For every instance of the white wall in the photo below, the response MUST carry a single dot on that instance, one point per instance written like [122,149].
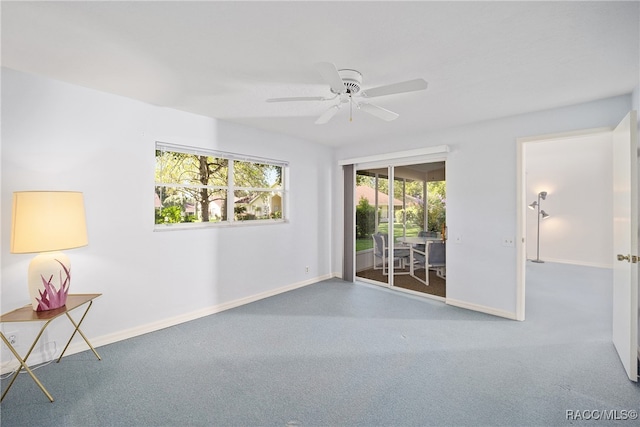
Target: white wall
[57,136]
[481,194]
[577,174]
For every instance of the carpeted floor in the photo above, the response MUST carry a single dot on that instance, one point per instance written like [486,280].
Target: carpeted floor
[437,286]
[342,354]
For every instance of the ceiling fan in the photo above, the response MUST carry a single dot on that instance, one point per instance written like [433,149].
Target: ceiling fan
[346,87]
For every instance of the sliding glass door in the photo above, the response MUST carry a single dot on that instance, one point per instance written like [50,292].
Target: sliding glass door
[372,224]
[396,206]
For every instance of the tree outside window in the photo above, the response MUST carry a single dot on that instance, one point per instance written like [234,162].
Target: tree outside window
[197,186]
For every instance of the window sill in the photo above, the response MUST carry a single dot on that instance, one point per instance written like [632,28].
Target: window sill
[225,224]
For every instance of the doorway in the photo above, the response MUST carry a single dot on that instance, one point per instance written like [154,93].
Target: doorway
[616,205]
[564,202]
[400,226]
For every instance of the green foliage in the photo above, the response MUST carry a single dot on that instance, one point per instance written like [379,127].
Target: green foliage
[411,230]
[365,219]
[239,212]
[245,217]
[407,222]
[196,174]
[364,244]
[369,181]
[169,215]
[193,171]
[436,192]
[415,215]
[246,174]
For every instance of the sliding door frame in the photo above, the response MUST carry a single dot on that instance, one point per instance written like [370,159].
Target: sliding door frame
[390,161]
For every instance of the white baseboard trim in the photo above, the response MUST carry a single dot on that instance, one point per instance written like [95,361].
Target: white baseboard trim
[481,308]
[575,262]
[43,353]
[9,366]
[176,320]
[78,346]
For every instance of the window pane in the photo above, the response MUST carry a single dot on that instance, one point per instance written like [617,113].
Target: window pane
[193,186]
[190,169]
[256,175]
[181,205]
[252,205]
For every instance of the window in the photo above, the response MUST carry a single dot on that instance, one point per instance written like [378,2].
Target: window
[197,187]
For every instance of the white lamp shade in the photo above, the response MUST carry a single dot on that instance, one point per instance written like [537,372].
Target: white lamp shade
[47,221]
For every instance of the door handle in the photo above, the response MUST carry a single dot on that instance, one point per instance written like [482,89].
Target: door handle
[629,258]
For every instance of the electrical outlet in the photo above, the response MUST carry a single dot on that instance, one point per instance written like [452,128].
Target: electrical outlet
[507,241]
[306,269]
[12,337]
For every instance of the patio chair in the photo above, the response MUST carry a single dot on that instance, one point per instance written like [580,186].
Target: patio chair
[434,258]
[424,233]
[381,254]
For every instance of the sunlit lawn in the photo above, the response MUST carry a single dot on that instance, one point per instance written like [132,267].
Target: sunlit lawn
[367,243]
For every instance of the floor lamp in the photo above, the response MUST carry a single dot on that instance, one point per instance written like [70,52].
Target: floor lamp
[541,214]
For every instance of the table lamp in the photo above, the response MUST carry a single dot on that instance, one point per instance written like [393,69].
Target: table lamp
[46,222]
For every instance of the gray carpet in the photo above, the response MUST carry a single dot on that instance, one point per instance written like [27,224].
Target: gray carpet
[337,354]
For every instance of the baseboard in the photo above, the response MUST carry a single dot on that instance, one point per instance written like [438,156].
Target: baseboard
[9,366]
[43,353]
[481,308]
[575,262]
[176,320]
[37,358]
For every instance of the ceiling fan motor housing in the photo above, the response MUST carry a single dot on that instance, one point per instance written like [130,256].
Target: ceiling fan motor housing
[352,80]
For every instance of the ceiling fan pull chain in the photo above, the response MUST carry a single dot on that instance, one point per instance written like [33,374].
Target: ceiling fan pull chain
[350,108]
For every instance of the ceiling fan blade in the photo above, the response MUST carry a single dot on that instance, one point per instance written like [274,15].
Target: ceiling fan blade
[379,112]
[298,98]
[327,115]
[330,74]
[408,86]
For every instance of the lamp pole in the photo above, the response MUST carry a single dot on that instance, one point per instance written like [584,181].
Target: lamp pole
[541,196]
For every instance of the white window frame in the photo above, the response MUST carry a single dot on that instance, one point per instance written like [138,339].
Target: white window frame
[230,188]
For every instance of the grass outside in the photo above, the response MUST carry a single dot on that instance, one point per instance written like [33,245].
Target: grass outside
[367,243]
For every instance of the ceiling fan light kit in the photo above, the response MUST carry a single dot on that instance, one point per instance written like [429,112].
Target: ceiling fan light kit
[346,84]
[351,82]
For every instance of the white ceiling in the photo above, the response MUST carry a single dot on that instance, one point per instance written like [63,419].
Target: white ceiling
[482,60]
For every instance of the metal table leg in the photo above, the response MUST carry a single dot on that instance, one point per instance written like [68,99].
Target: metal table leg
[77,329]
[23,364]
